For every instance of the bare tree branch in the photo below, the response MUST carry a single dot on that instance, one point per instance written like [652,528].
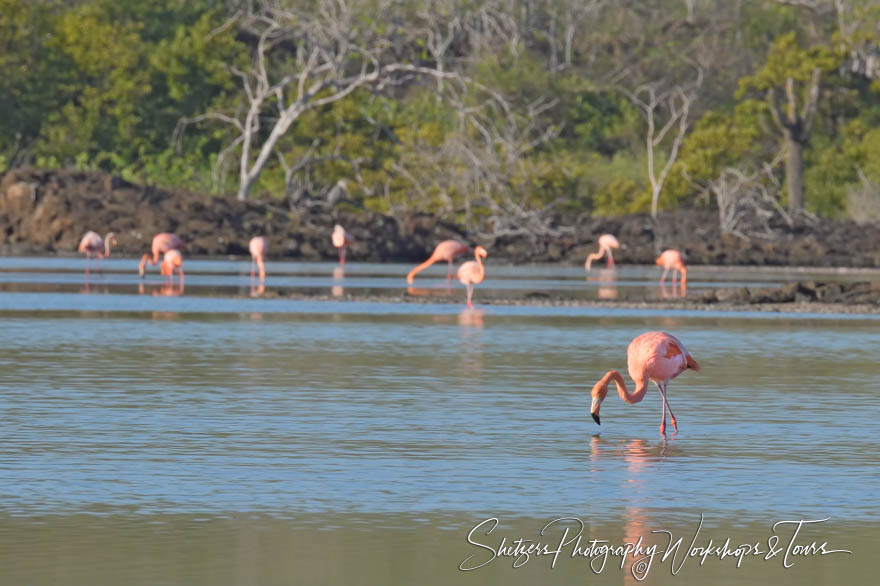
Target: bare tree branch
[675,105]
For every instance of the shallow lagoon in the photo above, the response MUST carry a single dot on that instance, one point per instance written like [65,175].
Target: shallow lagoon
[215,438]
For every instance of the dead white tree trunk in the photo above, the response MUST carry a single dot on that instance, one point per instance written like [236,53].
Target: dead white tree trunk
[306,57]
[664,110]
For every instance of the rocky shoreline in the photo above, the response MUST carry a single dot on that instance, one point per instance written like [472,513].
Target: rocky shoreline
[757,301]
[46,211]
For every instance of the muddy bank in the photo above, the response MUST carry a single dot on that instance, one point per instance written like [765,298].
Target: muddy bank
[801,297]
[48,211]
[857,293]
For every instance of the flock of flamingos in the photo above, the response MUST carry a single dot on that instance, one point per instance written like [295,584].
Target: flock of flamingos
[652,356]
[167,246]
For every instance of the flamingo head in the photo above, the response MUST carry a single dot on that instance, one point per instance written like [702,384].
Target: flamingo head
[481,252]
[600,389]
[338,228]
[111,238]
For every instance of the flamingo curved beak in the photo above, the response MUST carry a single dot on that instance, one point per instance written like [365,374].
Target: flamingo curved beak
[594,410]
[596,418]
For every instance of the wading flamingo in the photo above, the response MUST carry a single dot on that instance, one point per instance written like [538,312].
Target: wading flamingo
[655,356]
[341,239]
[172,261]
[606,243]
[258,246]
[445,251]
[162,243]
[671,260]
[472,272]
[93,244]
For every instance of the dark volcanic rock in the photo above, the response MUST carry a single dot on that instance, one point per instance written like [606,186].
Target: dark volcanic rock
[801,292]
[44,210]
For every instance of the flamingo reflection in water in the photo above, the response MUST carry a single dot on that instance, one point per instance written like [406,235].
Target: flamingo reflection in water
[165,289]
[471,318]
[637,566]
[607,279]
[337,290]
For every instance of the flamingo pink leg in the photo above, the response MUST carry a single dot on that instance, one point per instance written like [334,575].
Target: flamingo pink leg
[666,407]
[470,292]
[652,356]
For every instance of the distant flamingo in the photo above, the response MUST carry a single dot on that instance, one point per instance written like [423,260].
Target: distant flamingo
[162,243]
[341,239]
[671,260]
[655,356]
[445,251]
[258,247]
[472,272]
[606,243]
[93,244]
[172,261]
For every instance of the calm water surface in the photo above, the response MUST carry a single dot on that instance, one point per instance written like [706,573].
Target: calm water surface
[213,438]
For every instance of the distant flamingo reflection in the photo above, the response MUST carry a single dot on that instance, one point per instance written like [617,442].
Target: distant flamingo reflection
[607,279]
[472,318]
[338,290]
[674,291]
[165,289]
[429,291]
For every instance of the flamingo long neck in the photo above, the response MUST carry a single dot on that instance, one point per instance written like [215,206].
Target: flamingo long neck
[421,268]
[479,264]
[637,395]
[594,256]
[107,245]
[684,275]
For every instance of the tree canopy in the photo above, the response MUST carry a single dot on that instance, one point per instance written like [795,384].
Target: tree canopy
[493,113]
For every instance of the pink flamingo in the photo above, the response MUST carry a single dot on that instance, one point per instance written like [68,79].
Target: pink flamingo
[258,247]
[445,251]
[606,243]
[341,239]
[93,244]
[472,272]
[671,260]
[172,261]
[162,243]
[655,356]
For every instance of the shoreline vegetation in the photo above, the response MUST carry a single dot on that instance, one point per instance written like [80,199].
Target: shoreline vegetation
[748,120]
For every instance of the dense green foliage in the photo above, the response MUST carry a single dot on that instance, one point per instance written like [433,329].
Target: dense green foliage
[123,86]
